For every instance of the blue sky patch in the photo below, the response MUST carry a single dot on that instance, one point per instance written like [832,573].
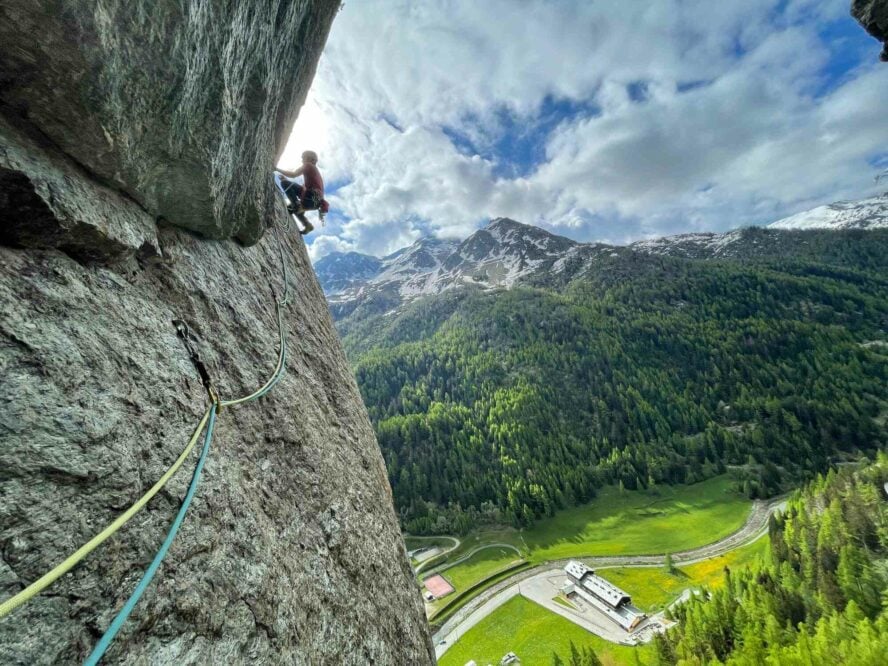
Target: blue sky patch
[848,46]
[519,146]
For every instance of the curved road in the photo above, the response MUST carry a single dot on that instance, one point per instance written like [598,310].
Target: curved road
[477,609]
[421,565]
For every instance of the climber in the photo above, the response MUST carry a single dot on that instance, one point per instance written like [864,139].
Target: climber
[310,195]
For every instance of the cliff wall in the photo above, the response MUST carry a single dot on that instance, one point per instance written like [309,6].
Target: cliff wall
[131,136]
[182,105]
[873,16]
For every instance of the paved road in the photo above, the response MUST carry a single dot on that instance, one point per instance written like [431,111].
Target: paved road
[477,609]
[421,565]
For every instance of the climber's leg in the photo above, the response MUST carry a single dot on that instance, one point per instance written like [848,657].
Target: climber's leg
[294,192]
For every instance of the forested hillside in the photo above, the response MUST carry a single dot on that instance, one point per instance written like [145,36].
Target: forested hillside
[634,369]
[822,597]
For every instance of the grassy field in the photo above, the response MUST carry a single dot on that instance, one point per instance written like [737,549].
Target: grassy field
[480,566]
[533,633]
[453,602]
[670,518]
[413,543]
[653,588]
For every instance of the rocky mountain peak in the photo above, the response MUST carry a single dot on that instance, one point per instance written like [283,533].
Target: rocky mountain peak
[506,230]
[340,270]
[506,252]
[424,253]
[503,225]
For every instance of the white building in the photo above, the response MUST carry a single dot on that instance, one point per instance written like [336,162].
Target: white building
[607,598]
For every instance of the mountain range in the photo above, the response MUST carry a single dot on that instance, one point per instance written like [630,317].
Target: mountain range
[506,253]
[516,372]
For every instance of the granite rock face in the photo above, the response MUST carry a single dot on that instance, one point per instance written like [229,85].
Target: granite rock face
[873,15]
[182,105]
[291,551]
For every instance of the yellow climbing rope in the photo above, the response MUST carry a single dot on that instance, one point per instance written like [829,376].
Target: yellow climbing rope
[49,578]
[61,569]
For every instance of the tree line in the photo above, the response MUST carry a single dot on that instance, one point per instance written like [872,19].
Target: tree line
[507,406]
[822,596]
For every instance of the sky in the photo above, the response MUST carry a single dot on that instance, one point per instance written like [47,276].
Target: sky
[599,120]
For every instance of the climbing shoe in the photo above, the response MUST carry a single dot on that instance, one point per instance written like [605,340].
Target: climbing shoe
[308,226]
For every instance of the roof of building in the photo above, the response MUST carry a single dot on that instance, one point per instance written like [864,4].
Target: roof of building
[597,585]
[577,569]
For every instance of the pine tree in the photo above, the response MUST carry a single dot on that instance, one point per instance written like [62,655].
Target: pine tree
[665,651]
[575,657]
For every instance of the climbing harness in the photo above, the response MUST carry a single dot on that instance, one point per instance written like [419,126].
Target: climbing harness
[206,426]
[323,206]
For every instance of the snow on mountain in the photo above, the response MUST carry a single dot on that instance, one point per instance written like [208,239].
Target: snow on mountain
[413,267]
[497,256]
[691,246]
[339,271]
[507,252]
[865,214]
[501,254]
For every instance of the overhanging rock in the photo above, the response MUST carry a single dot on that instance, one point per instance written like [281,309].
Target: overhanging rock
[873,15]
[112,115]
[185,106]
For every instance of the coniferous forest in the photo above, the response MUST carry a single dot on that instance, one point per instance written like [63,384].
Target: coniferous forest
[507,405]
[820,599]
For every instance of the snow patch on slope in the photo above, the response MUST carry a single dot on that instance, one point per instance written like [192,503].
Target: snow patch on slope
[714,244]
[866,214]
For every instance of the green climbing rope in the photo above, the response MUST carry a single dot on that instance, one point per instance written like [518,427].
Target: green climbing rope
[59,570]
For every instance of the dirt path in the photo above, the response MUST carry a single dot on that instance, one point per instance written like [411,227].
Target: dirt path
[485,603]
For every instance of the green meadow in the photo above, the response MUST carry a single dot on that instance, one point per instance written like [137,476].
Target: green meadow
[481,565]
[652,588]
[534,633]
[667,519]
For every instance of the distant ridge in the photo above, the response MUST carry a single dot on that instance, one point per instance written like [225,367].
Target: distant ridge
[506,252]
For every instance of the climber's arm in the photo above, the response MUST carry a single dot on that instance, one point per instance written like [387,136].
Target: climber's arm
[292,174]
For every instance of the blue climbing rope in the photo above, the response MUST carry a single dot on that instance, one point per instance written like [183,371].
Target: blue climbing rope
[121,617]
[124,613]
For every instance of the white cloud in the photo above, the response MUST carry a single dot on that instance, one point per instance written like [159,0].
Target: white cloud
[753,139]
[326,243]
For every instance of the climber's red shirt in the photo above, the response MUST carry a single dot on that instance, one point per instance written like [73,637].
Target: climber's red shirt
[313,180]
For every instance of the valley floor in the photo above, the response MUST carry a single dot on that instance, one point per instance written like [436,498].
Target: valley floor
[626,518]
[665,519]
